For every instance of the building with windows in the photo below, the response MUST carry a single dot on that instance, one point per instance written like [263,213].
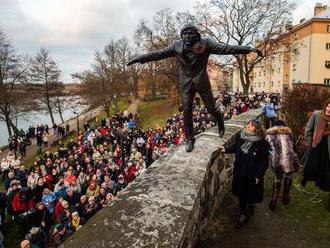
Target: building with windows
[307,62]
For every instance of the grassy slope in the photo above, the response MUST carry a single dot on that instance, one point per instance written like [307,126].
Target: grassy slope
[155,114]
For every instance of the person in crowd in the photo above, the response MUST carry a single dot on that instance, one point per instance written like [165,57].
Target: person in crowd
[284,160]
[317,138]
[251,163]
[269,111]
[42,217]
[91,208]
[58,235]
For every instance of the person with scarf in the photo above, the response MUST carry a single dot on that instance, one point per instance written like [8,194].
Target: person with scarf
[317,139]
[251,163]
[284,161]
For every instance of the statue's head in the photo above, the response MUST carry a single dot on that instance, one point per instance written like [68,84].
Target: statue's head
[190,34]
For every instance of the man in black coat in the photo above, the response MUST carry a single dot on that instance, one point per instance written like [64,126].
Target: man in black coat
[192,53]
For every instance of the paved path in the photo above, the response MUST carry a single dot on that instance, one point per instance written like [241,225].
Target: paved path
[133,107]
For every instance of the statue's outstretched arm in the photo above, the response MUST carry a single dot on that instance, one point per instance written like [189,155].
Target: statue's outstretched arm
[154,56]
[221,48]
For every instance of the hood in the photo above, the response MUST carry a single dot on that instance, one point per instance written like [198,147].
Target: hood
[278,130]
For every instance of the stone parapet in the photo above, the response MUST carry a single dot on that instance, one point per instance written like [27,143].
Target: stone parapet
[171,202]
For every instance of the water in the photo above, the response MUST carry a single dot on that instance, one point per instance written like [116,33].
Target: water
[34,118]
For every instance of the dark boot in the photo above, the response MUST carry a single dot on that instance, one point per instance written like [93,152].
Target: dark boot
[190,145]
[286,190]
[275,195]
[221,128]
[243,219]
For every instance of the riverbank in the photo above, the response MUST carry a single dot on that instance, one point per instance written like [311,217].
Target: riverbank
[31,150]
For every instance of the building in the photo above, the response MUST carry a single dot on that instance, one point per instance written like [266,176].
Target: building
[221,77]
[307,62]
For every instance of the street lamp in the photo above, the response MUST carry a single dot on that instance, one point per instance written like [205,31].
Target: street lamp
[77,120]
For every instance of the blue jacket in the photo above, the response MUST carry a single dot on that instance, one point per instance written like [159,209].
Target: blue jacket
[269,110]
[49,201]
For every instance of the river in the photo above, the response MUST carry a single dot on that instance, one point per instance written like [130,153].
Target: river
[34,118]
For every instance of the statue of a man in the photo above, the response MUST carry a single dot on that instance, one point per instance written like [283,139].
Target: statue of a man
[192,53]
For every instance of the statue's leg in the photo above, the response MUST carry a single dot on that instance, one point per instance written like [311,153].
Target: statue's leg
[187,102]
[209,103]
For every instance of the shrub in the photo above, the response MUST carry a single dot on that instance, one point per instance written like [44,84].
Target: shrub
[299,103]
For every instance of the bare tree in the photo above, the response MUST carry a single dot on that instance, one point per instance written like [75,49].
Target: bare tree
[108,78]
[248,22]
[61,104]
[13,72]
[45,72]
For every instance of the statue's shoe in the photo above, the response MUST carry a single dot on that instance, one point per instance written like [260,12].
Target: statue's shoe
[190,145]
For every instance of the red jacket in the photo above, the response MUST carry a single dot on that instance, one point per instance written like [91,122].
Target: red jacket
[58,210]
[17,205]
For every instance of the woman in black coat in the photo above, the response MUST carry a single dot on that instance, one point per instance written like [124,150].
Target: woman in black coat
[42,218]
[251,163]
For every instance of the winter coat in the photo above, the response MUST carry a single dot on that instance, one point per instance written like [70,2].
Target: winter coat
[19,206]
[40,216]
[50,201]
[247,168]
[269,110]
[283,157]
[312,124]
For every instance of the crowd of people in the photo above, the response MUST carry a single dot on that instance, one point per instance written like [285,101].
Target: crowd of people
[60,191]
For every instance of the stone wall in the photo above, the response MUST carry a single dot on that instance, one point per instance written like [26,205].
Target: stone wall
[170,204]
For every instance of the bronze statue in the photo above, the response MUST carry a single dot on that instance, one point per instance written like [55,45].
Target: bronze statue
[192,53]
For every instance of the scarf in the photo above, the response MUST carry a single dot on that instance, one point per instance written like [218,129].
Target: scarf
[321,130]
[76,223]
[249,138]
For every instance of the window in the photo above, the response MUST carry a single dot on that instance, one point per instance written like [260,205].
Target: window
[294,67]
[286,77]
[327,46]
[264,84]
[327,64]
[259,84]
[279,84]
[328,28]
[272,84]
[327,81]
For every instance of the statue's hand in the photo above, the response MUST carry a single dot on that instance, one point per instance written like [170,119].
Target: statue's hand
[133,61]
[257,51]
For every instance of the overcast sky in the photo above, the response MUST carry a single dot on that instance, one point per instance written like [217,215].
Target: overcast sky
[73,29]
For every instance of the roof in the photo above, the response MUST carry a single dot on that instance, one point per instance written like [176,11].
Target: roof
[323,15]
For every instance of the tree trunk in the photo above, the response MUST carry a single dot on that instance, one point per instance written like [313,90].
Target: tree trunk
[245,81]
[135,87]
[116,106]
[61,116]
[13,126]
[106,106]
[8,125]
[60,112]
[50,111]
